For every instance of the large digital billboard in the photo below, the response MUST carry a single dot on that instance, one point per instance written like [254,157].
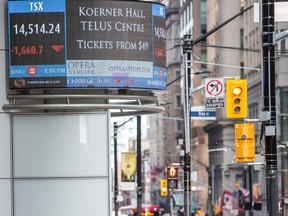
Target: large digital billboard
[86,44]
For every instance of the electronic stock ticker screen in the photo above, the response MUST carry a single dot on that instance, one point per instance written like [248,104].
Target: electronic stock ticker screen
[86,44]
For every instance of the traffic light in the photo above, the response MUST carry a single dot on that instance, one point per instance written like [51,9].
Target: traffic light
[244,143]
[172,177]
[236,98]
[163,187]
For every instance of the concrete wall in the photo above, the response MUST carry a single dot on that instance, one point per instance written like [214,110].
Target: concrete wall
[5,150]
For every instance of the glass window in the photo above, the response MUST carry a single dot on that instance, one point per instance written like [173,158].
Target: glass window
[239,178]
[179,125]
[178,100]
[60,164]
[241,38]
[61,197]
[178,75]
[284,110]
[203,17]
[60,146]
[242,4]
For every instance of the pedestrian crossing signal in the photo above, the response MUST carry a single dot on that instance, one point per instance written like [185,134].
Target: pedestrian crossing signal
[172,177]
[172,184]
[172,172]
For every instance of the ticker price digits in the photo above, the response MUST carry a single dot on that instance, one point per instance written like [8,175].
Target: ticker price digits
[45,28]
[27,50]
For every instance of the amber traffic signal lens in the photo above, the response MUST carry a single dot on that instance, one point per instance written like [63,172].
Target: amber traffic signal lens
[237,101]
[237,109]
[237,91]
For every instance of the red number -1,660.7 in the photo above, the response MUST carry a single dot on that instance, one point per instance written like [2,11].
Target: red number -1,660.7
[27,50]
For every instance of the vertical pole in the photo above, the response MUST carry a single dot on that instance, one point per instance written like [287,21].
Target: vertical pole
[116,170]
[248,176]
[213,187]
[187,49]
[251,187]
[269,105]
[139,173]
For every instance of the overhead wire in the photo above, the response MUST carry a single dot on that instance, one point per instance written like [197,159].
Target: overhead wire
[228,47]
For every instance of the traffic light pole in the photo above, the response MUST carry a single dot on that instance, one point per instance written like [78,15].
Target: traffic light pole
[187,50]
[269,105]
[139,173]
[115,170]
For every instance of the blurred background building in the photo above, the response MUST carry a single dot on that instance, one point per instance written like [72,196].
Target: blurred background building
[232,52]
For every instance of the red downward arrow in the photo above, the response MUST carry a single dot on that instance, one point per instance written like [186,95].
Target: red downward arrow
[57,48]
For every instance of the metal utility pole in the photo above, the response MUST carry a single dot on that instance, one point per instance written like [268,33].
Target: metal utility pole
[269,105]
[139,161]
[187,50]
[187,47]
[116,170]
[213,185]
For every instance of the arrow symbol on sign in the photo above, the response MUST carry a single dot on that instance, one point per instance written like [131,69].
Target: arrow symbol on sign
[57,48]
[212,85]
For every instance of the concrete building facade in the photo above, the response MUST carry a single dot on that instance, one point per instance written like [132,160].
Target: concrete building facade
[166,129]
[239,55]
[233,52]
[225,59]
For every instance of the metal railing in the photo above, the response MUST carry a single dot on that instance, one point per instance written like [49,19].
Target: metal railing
[120,105]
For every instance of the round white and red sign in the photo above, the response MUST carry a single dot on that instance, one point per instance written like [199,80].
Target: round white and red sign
[214,88]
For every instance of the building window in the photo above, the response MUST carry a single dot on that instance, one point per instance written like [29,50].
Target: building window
[204,59]
[203,17]
[178,75]
[283,110]
[188,14]
[242,70]
[179,125]
[242,4]
[254,111]
[241,38]
[239,179]
[178,101]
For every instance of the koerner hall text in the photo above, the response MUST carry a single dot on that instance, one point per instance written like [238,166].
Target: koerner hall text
[113,12]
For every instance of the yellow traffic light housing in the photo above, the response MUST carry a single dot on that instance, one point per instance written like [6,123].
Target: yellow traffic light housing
[236,98]
[163,187]
[244,143]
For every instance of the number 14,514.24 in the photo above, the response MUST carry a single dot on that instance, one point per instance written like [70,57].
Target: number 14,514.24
[45,28]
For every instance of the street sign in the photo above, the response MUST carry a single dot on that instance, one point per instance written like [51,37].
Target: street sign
[214,87]
[200,113]
[214,103]
[281,14]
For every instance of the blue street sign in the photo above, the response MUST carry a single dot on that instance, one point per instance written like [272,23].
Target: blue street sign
[203,115]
